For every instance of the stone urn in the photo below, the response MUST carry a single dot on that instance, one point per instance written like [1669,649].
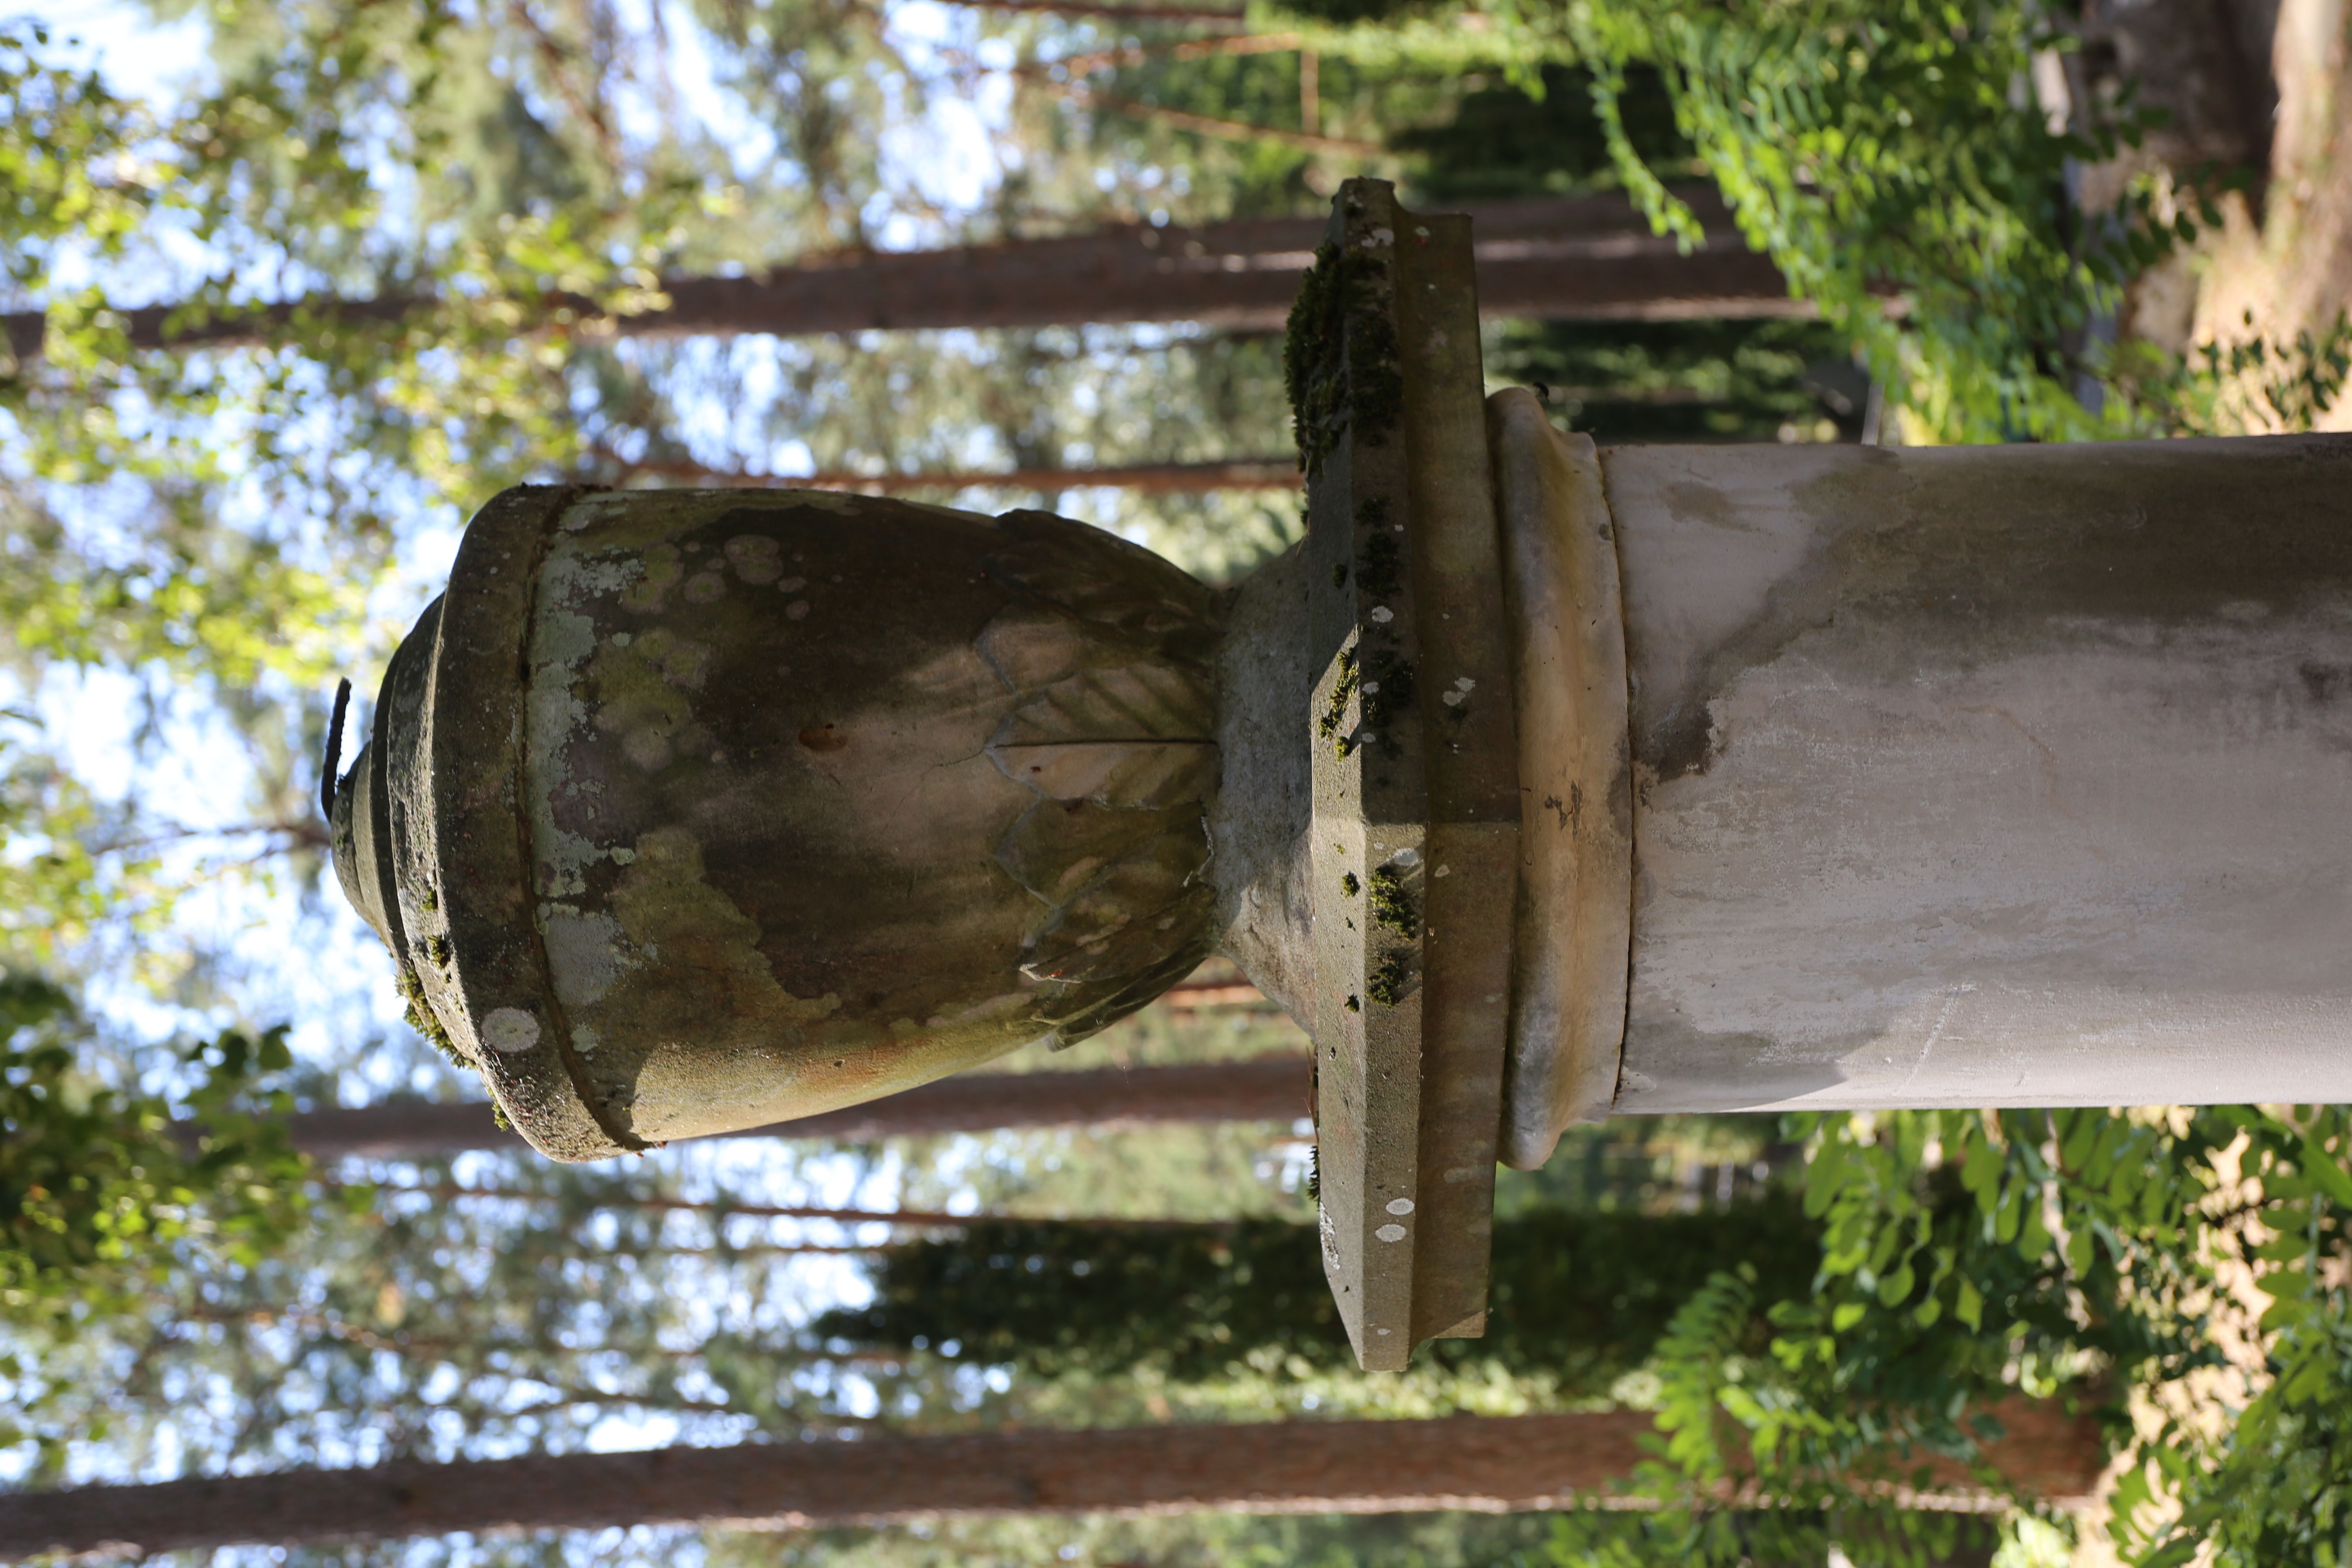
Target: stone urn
[690,811]
[1539,782]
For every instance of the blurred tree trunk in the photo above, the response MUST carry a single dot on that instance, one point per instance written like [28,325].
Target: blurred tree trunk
[1274,1088]
[1526,1462]
[1565,258]
[1280,473]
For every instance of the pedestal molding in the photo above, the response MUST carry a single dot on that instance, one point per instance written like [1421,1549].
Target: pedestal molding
[1573,926]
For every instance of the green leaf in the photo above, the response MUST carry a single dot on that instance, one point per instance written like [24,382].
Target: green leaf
[1969,1307]
[2325,1174]
[1897,1287]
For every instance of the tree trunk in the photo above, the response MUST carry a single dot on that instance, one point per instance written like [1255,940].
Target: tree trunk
[1167,478]
[1566,259]
[1272,1087]
[1123,13]
[1492,1464]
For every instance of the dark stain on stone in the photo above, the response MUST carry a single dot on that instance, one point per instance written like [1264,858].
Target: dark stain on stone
[1706,504]
[1393,675]
[2325,682]
[1380,565]
[1940,563]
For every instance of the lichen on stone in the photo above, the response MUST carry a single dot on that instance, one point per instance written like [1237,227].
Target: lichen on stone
[665,903]
[1392,905]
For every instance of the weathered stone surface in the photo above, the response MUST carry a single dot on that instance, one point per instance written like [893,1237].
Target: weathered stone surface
[1412,850]
[1989,775]
[782,801]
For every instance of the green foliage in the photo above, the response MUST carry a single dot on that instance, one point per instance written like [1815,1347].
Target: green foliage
[89,883]
[92,1178]
[1504,142]
[1876,152]
[175,596]
[53,887]
[1874,149]
[2253,386]
[1579,1296]
[1682,380]
[1973,1256]
[2272,1486]
[1869,1537]
[69,164]
[101,1205]
[459,379]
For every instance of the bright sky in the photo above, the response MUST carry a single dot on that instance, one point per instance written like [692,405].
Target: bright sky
[137,56]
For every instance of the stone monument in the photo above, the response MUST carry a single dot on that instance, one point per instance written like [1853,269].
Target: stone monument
[1538,783]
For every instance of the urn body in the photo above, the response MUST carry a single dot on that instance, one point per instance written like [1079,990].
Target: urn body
[689,811]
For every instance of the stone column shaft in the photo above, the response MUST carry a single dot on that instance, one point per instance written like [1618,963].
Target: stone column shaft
[1981,776]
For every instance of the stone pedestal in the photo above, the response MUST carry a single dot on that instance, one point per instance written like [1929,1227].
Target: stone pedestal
[1539,783]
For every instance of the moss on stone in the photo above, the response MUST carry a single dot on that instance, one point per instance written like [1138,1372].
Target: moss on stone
[1392,905]
[1389,981]
[1311,347]
[1335,710]
[1341,361]
[1375,357]
[421,1017]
